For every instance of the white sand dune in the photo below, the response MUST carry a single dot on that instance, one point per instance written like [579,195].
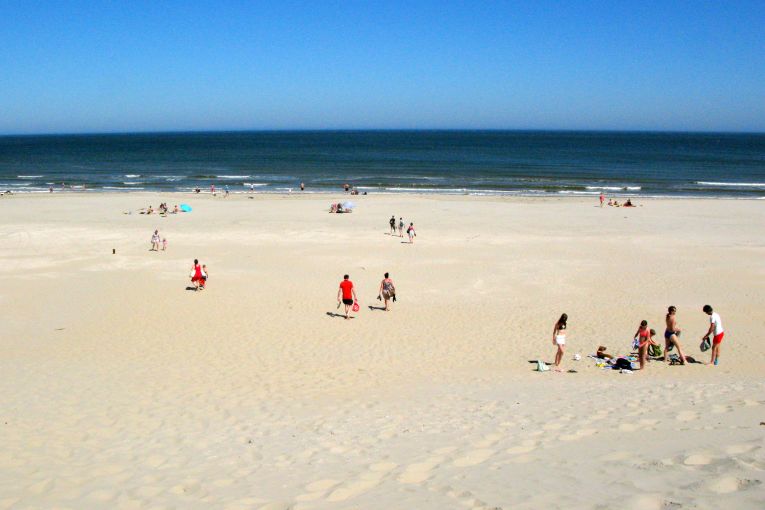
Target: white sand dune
[121,389]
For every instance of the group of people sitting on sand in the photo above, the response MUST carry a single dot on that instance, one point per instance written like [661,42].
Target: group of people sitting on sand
[338,208]
[162,209]
[646,346]
[615,203]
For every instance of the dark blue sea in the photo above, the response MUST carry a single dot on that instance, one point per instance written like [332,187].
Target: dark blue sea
[456,162]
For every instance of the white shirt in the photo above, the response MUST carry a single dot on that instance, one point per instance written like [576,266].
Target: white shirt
[715,319]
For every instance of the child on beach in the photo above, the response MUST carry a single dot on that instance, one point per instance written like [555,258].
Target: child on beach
[559,339]
[716,331]
[205,275]
[164,244]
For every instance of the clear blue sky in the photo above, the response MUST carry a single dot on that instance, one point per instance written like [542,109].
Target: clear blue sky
[92,66]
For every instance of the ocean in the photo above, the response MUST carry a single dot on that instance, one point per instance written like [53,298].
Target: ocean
[452,162]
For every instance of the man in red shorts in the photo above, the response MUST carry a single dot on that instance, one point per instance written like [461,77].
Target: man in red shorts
[347,293]
[716,331]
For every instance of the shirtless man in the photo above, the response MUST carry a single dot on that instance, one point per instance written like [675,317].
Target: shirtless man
[392,223]
[671,335]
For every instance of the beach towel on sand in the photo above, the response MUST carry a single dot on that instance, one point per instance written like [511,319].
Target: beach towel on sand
[542,366]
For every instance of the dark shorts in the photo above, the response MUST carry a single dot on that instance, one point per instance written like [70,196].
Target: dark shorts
[347,301]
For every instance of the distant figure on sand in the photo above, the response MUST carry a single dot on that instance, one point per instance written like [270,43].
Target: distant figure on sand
[392,223]
[346,187]
[671,334]
[716,331]
[602,198]
[196,275]
[164,244]
[401,227]
[212,189]
[411,233]
[387,291]
[155,241]
[302,186]
[347,293]
[225,189]
[559,339]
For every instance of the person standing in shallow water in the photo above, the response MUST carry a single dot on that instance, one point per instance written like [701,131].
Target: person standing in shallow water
[559,339]
[347,293]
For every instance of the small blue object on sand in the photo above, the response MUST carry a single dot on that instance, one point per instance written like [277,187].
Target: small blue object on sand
[185,208]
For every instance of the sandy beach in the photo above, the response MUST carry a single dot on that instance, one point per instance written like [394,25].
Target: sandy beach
[122,389]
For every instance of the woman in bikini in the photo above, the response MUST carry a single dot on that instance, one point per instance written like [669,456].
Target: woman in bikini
[387,291]
[645,338]
[671,335]
[559,339]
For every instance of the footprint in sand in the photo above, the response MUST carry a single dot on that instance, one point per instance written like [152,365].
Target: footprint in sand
[697,459]
[738,449]
[419,472]
[686,416]
[728,484]
[317,489]
[366,481]
[524,447]
[473,458]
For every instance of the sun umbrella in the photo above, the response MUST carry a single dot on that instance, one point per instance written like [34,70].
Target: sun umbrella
[185,208]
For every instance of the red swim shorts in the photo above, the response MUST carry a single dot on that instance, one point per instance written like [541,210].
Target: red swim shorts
[718,338]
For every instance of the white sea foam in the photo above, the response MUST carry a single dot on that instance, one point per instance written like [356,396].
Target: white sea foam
[615,188]
[256,184]
[733,184]
[132,188]
[28,176]
[233,176]
[572,192]
[132,176]
[132,183]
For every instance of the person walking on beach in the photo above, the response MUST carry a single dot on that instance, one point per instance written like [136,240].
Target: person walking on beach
[602,198]
[155,241]
[671,334]
[196,275]
[225,190]
[212,189]
[302,186]
[392,223]
[559,339]
[205,274]
[716,331]
[347,293]
[401,227]
[411,233]
[387,291]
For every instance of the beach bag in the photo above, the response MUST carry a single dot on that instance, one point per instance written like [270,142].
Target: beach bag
[542,366]
[622,363]
[706,344]
[654,351]
[635,343]
[355,306]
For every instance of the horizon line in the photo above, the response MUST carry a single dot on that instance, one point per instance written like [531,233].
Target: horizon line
[361,130]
